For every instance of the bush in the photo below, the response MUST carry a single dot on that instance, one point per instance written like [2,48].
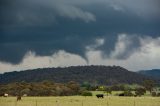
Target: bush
[86,93]
[128,93]
[154,94]
[158,94]
[140,91]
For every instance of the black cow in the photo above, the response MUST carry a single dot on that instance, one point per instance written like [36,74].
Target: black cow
[121,94]
[100,95]
[18,98]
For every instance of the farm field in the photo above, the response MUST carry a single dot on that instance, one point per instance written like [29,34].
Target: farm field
[81,101]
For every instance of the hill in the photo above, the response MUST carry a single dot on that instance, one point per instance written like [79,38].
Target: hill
[155,73]
[91,74]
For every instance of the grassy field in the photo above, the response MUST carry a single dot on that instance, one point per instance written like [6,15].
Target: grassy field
[81,101]
[115,92]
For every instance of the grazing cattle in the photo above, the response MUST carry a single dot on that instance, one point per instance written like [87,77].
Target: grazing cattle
[18,98]
[99,95]
[5,95]
[122,94]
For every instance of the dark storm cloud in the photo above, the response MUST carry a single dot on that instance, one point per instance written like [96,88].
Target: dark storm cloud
[45,26]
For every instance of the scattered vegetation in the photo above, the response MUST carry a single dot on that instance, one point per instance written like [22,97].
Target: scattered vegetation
[49,88]
[45,88]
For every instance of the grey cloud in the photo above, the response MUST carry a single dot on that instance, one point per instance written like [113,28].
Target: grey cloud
[46,26]
[74,13]
[148,9]
[125,46]
[119,47]
[143,8]
[148,50]
[40,12]
[68,9]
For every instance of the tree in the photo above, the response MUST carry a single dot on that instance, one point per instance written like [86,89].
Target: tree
[74,86]
[140,91]
[86,85]
[148,85]
[25,91]
[115,88]
[108,90]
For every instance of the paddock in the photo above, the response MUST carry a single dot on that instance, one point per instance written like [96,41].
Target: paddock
[81,101]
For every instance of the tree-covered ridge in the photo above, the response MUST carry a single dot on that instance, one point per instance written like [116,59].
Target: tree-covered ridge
[155,73]
[104,75]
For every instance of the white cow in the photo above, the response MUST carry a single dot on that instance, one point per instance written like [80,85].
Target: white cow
[5,95]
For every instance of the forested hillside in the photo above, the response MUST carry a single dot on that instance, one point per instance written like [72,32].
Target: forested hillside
[155,73]
[92,74]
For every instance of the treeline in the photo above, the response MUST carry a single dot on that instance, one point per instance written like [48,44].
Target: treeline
[44,88]
[126,89]
[50,88]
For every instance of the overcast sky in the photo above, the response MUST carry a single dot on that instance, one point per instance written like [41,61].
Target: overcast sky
[59,33]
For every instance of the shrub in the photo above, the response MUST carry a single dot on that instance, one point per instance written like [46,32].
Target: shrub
[154,94]
[86,93]
[158,94]
[128,93]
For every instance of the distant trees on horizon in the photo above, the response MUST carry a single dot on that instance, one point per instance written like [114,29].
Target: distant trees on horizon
[50,88]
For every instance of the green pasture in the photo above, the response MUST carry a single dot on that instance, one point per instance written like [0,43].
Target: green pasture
[81,101]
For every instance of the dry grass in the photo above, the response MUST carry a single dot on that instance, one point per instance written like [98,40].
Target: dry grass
[80,101]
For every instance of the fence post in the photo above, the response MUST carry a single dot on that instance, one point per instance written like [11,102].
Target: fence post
[36,102]
[82,102]
[134,102]
[107,101]
[16,103]
[57,102]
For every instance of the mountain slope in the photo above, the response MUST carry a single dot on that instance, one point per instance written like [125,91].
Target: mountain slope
[155,73]
[92,74]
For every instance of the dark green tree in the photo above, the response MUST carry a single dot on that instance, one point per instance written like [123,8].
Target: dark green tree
[140,91]
[108,90]
[148,85]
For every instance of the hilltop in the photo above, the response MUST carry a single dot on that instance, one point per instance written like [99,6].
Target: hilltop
[92,74]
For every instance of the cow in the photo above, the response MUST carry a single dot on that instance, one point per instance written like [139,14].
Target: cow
[121,94]
[100,95]
[24,95]
[5,95]
[18,98]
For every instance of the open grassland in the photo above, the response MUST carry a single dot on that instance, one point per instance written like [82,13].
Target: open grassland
[81,101]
